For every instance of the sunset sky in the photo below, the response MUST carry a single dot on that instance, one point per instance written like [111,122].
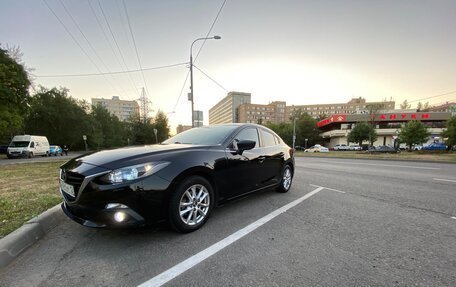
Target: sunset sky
[302,52]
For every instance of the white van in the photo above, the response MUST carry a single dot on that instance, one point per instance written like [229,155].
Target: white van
[28,146]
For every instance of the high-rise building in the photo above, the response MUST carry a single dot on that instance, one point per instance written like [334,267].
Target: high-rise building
[226,111]
[237,108]
[124,110]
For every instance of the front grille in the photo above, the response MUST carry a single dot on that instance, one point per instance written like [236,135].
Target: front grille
[74,179]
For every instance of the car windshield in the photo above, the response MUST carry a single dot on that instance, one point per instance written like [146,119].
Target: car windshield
[19,144]
[210,135]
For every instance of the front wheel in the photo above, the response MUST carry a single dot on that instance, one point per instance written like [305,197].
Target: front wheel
[191,204]
[287,178]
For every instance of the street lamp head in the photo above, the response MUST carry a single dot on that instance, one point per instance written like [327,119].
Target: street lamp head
[217,37]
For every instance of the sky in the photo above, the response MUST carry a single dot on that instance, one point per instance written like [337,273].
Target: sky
[301,52]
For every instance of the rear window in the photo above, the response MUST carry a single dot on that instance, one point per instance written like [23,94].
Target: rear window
[268,138]
[210,135]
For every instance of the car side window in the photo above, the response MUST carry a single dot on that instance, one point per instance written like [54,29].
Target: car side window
[32,144]
[248,134]
[267,138]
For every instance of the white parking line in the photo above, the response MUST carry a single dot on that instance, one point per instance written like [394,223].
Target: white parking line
[185,265]
[443,179]
[336,190]
[454,217]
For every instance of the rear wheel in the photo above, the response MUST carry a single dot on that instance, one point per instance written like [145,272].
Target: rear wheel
[287,178]
[191,204]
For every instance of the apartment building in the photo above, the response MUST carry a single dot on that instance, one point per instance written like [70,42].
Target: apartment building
[354,106]
[226,111]
[254,113]
[123,110]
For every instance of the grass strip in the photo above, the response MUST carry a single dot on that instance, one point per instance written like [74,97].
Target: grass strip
[26,190]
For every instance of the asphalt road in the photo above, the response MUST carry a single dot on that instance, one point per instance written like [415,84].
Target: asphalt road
[358,223]
[5,161]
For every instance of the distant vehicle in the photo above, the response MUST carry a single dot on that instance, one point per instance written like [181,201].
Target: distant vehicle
[354,147]
[317,148]
[435,146]
[3,149]
[340,147]
[417,147]
[28,146]
[55,150]
[383,149]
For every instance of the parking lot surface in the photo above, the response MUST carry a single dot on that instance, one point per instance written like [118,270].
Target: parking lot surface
[344,223]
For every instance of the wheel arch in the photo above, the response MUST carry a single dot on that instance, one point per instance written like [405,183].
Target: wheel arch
[204,172]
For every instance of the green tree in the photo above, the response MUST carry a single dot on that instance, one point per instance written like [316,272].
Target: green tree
[450,131]
[414,132]
[405,105]
[107,130]
[59,117]
[306,128]
[14,96]
[162,126]
[284,130]
[362,132]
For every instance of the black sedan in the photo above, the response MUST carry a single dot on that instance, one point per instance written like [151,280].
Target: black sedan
[180,180]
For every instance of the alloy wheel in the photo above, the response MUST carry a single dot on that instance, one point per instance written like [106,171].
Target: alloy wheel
[194,204]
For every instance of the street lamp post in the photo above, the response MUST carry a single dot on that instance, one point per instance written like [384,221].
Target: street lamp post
[191,72]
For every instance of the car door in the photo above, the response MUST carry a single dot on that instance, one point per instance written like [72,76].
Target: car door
[271,158]
[242,172]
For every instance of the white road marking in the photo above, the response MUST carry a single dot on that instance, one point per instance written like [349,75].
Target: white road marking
[336,190]
[387,165]
[185,265]
[443,179]
[454,217]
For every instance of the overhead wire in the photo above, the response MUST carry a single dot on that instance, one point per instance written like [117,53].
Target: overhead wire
[71,35]
[210,78]
[115,41]
[431,97]
[199,51]
[88,42]
[109,42]
[112,73]
[134,44]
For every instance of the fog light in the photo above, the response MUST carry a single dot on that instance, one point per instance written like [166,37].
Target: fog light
[119,216]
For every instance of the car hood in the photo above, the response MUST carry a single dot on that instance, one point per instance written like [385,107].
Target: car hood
[112,159]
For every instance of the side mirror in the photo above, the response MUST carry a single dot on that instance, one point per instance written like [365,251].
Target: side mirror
[244,145]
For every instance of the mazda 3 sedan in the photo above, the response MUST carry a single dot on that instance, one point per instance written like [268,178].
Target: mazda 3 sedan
[180,180]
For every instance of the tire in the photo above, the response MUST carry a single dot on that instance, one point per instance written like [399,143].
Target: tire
[193,194]
[286,179]
[30,155]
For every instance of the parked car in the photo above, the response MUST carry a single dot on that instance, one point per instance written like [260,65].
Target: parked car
[340,147]
[383,149]
[317,148]
[180,180]
[3,149]
[354,147]
[55,150]
[435,146]
[417,147]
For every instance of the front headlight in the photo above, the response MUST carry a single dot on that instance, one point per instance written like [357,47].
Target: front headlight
[130,173]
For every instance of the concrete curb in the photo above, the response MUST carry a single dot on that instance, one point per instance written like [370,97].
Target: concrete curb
[12,245]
